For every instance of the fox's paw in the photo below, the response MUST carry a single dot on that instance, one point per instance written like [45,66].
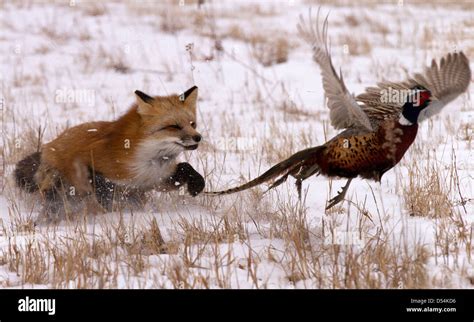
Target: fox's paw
[196,184]
[194,180]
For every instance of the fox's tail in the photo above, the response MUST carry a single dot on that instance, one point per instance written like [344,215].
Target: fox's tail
[297,165]
[25,172]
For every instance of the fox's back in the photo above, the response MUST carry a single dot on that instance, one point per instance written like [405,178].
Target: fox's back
[77,143]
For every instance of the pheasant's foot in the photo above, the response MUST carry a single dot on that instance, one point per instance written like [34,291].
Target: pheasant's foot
[339,197]
[298,184]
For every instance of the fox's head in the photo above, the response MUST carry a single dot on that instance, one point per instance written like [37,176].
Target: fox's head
[170,121]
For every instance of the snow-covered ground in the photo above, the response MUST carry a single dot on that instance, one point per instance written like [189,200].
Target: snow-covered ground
[260,100]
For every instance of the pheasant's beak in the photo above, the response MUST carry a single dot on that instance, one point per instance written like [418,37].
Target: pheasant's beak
[433,98]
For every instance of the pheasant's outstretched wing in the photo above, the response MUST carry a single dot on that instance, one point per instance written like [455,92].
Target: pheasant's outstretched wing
[446,81]
[345,112]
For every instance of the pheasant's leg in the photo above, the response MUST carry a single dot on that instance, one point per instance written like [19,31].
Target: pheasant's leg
[298,187]
[340,195]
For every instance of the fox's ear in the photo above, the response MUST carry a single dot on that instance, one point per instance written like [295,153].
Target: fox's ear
[190,96]
[144,103]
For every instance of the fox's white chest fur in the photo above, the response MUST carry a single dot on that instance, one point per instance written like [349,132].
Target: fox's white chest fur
[154,161]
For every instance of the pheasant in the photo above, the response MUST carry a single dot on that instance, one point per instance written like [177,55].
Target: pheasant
[379,125]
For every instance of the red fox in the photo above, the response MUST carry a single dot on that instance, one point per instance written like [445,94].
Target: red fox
[118,160]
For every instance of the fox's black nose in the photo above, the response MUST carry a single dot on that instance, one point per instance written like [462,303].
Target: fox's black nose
[197,138]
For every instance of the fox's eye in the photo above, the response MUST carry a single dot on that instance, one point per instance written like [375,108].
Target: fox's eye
[174,127]
[193,125]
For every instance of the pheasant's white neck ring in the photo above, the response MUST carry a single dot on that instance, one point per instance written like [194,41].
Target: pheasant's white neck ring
[404,121]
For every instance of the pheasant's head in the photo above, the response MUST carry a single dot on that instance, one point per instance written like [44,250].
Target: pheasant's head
[422,96]
[417,100]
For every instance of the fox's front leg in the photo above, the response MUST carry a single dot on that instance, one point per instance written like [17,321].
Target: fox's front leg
[185,174]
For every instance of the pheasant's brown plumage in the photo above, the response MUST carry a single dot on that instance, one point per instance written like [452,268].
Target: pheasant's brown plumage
[377,132]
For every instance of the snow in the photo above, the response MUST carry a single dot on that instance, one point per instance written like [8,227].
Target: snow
[57,59]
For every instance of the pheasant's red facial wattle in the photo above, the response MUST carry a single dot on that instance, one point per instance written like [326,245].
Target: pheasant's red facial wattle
[424,98]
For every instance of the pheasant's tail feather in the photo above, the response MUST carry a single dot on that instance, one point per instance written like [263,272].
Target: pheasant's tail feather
[281,170]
